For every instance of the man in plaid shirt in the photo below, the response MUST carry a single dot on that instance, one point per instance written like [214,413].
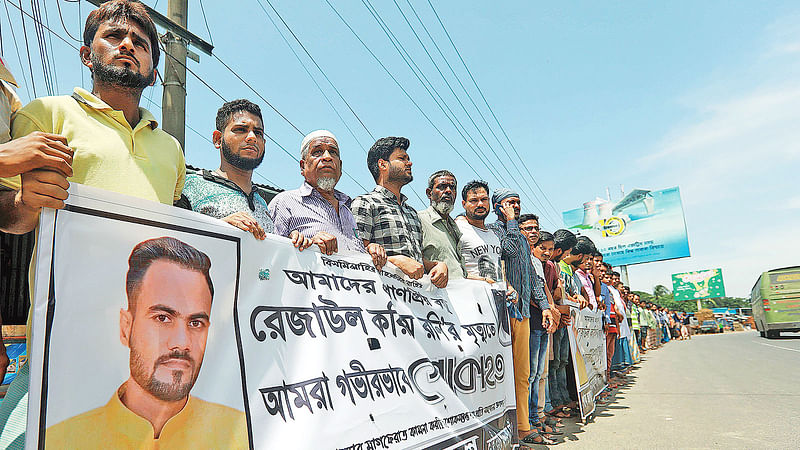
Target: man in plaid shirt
[384,217]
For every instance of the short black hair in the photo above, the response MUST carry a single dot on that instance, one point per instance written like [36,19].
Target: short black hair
[123,11]
[564,239]
[544,236]
[584,246]
[440,173]
[614,274]
[597,253]
[382,149]
[527,217]
[166,248]
[474,185]
[228,109]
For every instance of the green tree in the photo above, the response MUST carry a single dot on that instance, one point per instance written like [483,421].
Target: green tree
[661,291]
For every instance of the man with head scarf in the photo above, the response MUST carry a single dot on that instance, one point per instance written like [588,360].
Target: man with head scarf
[316,209]
[521,277]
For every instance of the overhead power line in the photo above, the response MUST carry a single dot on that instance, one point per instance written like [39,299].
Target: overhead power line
[313,80]
[318,67]
[403,89]
[490,108]
[338,92]
[471,100]
[511,178]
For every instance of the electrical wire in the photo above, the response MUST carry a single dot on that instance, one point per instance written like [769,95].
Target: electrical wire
[60,16]
[521,178]
[308,72]
[27,48]
[490,108]
[205,83]
[318,67]
[53,65]
[16,47]
[403,89]
[202,10]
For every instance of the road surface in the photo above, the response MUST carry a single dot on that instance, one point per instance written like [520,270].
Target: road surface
[735,390]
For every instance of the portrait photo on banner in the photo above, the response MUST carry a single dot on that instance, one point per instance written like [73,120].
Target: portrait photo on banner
[140,336]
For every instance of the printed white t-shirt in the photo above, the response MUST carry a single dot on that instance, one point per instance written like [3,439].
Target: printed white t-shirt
[481,250]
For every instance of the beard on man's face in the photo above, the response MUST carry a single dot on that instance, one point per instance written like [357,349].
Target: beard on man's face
[172,390]
[399,174]
[479,213]
[121,76]
[237,160]
[443,207]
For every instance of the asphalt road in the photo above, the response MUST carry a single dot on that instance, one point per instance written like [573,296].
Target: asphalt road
[735,390]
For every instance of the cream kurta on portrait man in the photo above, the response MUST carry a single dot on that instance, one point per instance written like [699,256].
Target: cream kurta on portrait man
[165,327]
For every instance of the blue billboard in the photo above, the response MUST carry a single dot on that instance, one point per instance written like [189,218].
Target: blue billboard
[644,226]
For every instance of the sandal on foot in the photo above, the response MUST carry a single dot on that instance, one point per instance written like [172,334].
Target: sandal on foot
[552,421]
[553,431]
[535,438]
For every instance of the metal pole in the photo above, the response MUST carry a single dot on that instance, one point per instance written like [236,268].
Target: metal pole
[699,305]
[623,274]
[174,98]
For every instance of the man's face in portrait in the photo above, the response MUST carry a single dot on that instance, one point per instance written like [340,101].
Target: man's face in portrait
[165,328]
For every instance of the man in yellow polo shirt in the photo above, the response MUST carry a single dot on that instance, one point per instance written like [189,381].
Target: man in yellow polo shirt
[166,325]
[117,145]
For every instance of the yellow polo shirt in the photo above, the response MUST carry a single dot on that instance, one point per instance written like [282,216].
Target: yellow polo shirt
[199,425]
[143,161]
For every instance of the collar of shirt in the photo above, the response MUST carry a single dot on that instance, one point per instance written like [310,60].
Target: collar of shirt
[214,178]
[389,194]
[448,221]
[135,426]
[85,97]
[306,190]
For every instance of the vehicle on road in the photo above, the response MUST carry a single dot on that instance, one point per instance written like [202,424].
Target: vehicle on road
[775,300]
[710,326]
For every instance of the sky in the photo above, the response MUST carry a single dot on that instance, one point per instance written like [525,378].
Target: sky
[595,97]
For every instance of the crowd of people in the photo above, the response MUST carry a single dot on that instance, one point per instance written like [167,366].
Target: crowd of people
[105,139]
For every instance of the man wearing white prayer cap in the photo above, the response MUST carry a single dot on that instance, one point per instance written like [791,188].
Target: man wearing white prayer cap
[316,209]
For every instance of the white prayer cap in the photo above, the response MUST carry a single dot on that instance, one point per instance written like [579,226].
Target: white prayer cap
[313,135]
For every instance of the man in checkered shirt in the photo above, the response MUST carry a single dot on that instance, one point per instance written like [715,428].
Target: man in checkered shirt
[384,217]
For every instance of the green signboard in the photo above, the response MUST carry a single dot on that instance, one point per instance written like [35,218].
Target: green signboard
[698,285]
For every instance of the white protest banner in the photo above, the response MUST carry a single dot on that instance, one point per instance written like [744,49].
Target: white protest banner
[587,343]
[158,327]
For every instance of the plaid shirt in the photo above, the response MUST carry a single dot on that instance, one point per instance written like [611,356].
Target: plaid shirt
[382,220]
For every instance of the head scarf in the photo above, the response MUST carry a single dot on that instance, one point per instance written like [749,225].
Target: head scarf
[500,195]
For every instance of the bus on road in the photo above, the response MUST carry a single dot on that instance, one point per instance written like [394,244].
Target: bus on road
[775,300]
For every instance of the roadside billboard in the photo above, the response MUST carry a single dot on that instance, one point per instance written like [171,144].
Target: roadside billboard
[698,285]
[645,226]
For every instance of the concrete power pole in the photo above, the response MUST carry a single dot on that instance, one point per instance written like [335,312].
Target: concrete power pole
[173,101]
[175,40]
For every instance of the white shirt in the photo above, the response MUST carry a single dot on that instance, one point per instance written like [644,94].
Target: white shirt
[622,317]
[481,250]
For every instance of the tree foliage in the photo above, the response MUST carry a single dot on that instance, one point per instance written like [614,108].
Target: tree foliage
[663,297]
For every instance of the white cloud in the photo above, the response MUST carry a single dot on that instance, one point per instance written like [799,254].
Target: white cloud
[736,164]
